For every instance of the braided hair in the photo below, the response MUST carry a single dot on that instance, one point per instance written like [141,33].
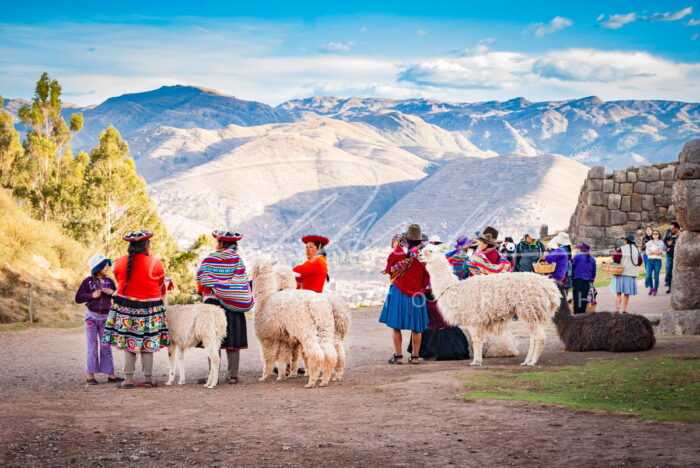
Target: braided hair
[140,247]
[229,245]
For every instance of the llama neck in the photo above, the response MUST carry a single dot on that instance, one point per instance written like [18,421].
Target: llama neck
[263,287]
[441,276]
[562,316]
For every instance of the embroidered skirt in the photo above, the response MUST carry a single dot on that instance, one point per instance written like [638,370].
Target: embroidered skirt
[136,326]
[404,312]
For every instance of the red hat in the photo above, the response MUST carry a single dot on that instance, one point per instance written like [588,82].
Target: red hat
[227,236]
[314,238]
[137,236]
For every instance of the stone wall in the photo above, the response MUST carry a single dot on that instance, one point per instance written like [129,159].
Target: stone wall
[613,205]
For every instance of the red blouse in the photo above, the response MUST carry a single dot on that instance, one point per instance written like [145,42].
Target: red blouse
[147,277]
[312,274]
[415,280]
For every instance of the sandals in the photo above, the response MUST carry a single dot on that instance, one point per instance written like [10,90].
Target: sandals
[149,385]
[92,381]
[414,359]
[115,379]
[396,359]
[232,380]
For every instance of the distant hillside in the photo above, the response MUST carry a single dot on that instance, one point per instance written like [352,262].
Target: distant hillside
[38,254]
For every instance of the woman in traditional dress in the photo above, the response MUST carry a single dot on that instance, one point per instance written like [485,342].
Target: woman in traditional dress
[137,322]
[222,280]
[313,273]
[404,307]
[487,260]
[459,256]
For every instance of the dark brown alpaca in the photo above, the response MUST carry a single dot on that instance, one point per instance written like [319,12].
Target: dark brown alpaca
[602,331]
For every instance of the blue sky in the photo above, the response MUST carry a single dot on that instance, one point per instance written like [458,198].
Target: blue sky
[274,51]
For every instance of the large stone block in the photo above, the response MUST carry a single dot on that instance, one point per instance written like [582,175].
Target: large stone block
[680,322]
[688,171]
[635,202]
[593,232]
[613,233]
[686,272]
[640,187]
[690,152]
[668,173]
[614,201]
[648,174]
[632,216]
[595,185]
[625,203]
[647,202]
[645,216]
[597,198]
[595,216]
[662,201]
[686,201]
[597,172]
[617,217]
[631,176]
[626,189]
[616,187]
[608,185]
[655,188]
[668,190]
[619,175]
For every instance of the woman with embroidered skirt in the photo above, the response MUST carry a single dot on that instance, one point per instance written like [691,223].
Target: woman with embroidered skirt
[222,280]
[624,285]
[136,322]
[404,307]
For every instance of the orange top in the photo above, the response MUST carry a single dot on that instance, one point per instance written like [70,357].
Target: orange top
[147,277]
[312,274]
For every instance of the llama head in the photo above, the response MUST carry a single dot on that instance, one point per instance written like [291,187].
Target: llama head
[430,253]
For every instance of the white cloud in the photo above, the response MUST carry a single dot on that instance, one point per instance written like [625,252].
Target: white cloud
[556,24]
[680,14]
[693,22]
[600,17]
[618,21]
[334,47]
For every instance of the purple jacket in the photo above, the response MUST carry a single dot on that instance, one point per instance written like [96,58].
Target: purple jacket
[102,304]
[584,267]
[559,256]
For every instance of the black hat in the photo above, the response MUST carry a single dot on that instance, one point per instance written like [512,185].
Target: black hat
[629,238]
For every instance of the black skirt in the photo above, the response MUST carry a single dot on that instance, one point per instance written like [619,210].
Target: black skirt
[236,331]
[447,344]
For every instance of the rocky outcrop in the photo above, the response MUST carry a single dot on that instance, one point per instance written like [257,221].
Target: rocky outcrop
[685,295]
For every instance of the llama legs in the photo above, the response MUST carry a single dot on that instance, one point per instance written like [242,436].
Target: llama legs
[180,360]
[214,362]
[477,344]
[340,363]
[329,362]
[530,350]
[171,365]
[537,336]
[269,353]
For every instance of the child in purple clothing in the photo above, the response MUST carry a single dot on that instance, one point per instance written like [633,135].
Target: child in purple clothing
[96,292]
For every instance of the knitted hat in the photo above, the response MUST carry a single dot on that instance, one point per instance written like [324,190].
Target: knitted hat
[315,239]
[97,263]
[226,236]
[413,233]
[583,247]
[401,238]
[137,236]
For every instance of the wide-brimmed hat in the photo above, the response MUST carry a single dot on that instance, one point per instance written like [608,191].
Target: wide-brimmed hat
[463,242]
[583,247]
[435,239]
[562,239]
[488,239]
[414,233]
[137,236]
[315,239]
[532,232]
[97,263]
[629,238]
[226,236]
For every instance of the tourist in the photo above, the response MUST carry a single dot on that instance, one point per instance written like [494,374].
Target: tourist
[528,251]
[96,293]
[654,250]
[670,239]
[559,255]
[583,273]
[137,322]
[624,285]
[223,281]
[313,273]
[404,307]
[508,251]
[647,237]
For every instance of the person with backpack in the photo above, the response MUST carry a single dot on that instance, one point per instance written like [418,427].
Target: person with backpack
[670,239]
[528,251]
[624,285]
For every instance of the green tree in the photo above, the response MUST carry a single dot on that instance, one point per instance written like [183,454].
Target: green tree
[47,156]
[10,147]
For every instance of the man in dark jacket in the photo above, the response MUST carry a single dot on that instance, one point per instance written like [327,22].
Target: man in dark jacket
[528,251]
[670,239]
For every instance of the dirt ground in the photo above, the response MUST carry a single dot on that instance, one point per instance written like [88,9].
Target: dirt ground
[380,415]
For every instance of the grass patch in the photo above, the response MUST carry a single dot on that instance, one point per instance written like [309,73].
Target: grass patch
[22,326]
[661,387]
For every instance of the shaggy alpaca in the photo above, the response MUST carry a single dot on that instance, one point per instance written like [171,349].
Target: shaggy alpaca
[189,325]
[500,346]
[485,304]
[286,277]
[603,331]
[285,318]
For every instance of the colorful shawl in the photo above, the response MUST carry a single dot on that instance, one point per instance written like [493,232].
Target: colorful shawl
[457,259]
[400,268]
[478,264]
[224,273]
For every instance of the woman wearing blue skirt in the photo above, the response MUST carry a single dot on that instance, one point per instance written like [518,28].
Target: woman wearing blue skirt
[405,307]
[624,285]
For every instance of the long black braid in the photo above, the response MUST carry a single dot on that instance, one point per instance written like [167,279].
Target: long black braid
[322,253]
[140,247]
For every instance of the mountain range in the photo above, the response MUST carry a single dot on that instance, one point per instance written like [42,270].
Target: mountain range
[359,169]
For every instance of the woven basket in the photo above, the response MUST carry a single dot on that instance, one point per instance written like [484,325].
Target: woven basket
[544,268]
[612,268]
[591,307]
